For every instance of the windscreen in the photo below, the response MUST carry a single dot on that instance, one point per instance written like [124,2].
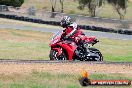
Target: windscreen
[56,34]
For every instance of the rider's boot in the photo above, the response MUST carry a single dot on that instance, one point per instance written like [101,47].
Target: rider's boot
[79,54]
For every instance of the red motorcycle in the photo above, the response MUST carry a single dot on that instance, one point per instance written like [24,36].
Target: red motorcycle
[63,49]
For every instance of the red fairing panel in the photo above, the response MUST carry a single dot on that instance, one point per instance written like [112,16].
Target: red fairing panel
[70,48]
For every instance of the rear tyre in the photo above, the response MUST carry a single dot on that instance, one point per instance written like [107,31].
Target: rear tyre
[54,55]
[98,56]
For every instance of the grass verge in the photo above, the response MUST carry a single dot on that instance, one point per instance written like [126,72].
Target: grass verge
[51,80]
[115,50]
[19,44]
[27,44]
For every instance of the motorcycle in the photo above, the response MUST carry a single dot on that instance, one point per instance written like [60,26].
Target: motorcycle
[63,49]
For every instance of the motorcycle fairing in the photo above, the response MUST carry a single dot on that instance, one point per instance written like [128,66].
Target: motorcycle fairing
[69,47]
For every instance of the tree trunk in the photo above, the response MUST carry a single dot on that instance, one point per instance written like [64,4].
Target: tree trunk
[53,3]
[121,17]
[62,9]
[53,9]
[53,12]
[120,14]
[92,10]
[94,13]
[62,6]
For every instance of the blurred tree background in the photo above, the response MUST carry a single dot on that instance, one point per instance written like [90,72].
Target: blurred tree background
[119,5]
[15,3]
[121,9]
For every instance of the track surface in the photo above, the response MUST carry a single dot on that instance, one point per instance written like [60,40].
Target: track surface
[48,61]
[88,33]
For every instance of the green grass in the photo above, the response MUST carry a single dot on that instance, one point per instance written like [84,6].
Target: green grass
[115,50]
[16,44]
[52,80]
[106,10]
[27,44]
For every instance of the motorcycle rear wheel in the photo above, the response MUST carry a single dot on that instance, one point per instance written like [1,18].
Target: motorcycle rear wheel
[96,52]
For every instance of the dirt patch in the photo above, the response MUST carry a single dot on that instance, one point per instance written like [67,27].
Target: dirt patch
[68,68]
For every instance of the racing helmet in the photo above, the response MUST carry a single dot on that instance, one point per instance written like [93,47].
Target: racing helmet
[67,21]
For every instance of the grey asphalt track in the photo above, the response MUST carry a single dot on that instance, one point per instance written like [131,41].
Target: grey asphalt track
[88,33]
[49,61]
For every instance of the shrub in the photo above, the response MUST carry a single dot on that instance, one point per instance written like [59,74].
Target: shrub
[15,3]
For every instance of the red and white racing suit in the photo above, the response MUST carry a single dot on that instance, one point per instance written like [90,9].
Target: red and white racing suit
[77,36]
[75,33]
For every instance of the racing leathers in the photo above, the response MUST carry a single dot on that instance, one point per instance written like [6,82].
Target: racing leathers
[73,31]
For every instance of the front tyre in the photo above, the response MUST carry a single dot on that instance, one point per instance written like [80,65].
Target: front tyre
[54,55]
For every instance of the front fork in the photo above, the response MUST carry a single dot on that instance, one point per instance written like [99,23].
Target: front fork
[59,50]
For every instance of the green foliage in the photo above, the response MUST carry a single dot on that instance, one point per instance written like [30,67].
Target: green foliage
[15,3]
[91,5]
[120,6]
[120,3]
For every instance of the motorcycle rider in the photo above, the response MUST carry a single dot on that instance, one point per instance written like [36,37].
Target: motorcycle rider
[72,29]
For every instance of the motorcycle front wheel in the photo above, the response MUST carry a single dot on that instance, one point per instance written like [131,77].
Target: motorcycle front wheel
[53,55]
